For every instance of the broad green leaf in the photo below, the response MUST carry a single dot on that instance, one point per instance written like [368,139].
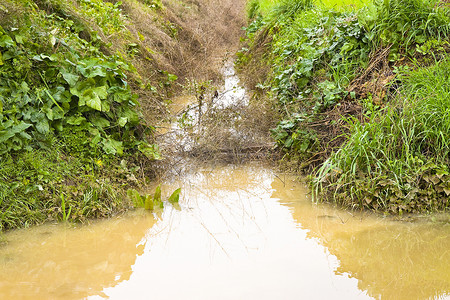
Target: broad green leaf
[93,101]
[53,57]
[97,138]
[111,146]
[43,126]
[37,58]
[99,121]
[119,94]
[1,59]
[150,151]
[172,77]
[134,196]
[82,86]
[58,125]
[101,92]
[74,120]
[131,115]
[6,40]
[148,203]
[175,197]
[10,132]
[105,106]
[25,135]
[92,97]
[97,71]
[123,121]
[19,39]
[70,78]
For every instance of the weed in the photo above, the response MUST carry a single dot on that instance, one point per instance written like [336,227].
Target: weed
[65,215]
[149,202]
[340,78]
[398,160]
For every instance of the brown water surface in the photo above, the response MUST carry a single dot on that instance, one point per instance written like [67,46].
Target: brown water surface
[238,233]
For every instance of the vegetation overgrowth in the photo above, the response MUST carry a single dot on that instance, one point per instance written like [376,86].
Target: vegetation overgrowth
[67,113]
[83,84]
[363,92]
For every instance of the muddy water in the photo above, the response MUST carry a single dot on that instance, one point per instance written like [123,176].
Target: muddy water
[237,233]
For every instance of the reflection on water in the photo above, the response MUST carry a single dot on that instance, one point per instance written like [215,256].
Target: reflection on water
[61,262]
[238,233]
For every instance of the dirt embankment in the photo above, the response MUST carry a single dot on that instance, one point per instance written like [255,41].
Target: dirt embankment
[189,39]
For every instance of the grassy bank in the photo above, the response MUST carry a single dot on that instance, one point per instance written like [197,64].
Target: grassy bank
[362,91]
[83,84]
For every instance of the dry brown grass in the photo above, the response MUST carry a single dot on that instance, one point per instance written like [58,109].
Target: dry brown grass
[231,134]
[186,38]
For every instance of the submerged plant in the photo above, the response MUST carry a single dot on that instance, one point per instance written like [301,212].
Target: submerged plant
[149,202]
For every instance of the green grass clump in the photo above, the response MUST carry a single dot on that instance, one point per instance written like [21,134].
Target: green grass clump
[393,155]
[398,161]
[403,24]
[313,57]
[47,185]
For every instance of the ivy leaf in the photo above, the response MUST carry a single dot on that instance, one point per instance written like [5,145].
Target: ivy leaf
[111,146]
[74,120]
[92,97]
[123,121]
[10,132]
[93,101]
[100,122]
[42,126]
[6,40]
[70,78]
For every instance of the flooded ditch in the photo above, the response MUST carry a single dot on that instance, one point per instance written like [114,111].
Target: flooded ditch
[240,231]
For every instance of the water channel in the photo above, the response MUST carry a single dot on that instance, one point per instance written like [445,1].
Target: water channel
[239,232]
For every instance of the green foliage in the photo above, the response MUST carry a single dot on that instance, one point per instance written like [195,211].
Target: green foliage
[149,202]
[43,185]
[314,60]
[406,23]
[286,10]
[399,160]
[43,92]
[175,197]
[154,4]
[65,215]
[67,112]
[105,14]
[252,9]
[295,139]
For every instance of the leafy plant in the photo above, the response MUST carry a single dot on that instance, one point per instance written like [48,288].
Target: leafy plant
[399,160]
[175,197]
[65,214]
